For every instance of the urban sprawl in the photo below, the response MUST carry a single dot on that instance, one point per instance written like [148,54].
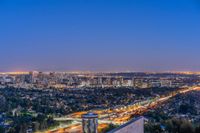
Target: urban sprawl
[61,80]
[55,101]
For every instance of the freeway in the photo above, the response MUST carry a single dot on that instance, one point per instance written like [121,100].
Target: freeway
[118,115]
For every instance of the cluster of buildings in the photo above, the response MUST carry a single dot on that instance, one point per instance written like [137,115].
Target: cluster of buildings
[78,80]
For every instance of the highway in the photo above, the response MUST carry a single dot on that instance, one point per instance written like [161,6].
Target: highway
[115,116]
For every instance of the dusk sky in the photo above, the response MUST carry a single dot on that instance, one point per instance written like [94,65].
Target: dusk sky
[100,35]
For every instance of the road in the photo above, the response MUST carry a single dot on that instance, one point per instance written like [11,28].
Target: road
[116,116]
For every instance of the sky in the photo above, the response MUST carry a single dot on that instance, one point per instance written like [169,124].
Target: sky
[99,35]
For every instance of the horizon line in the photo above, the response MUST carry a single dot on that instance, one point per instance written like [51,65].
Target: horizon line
[79,71]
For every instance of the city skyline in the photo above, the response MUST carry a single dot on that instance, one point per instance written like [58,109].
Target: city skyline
[146,36]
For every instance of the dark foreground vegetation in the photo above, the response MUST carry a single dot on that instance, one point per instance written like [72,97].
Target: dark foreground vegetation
[180,114]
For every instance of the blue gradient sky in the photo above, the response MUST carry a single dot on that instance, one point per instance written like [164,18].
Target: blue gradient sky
[100,35]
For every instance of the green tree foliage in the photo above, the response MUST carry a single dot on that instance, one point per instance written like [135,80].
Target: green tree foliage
[109,128]
[152,128]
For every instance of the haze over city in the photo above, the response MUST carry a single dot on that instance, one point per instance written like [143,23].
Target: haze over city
[99,35]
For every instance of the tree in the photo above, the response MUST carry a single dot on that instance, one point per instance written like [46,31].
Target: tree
[186,127]
[2,130]
[197,129]
[179,126]
[152,128]
[109,128]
